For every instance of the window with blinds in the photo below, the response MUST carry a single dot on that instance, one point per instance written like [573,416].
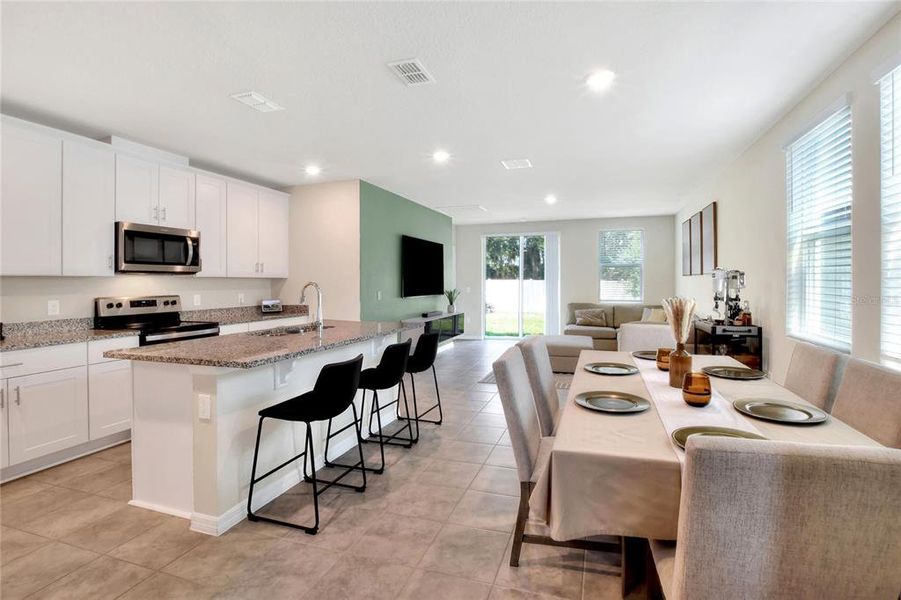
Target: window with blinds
[890,114]
[818,191]
[621,265]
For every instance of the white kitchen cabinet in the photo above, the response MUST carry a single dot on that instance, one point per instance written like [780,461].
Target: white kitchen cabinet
[242,242]
[89,209]
[176,201]
[137,190]
[30,201]
[109,398]
[4,425]
[47,412]
[273,236]
[211,221]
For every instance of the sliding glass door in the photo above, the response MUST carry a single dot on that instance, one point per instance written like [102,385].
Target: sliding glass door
[515,285]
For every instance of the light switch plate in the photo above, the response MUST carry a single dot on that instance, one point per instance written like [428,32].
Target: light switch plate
[378,295]
[204,407]
[240,298]
[52,307]
[196,299]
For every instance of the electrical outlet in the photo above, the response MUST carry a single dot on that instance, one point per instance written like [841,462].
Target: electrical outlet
[378,295]
[240,298]
[468,290]
[204,407]
[52,307]
[196,299]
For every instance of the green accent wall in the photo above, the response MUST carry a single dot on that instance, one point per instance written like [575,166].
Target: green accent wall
[384,218]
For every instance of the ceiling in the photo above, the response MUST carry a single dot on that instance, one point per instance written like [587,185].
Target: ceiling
[696,84]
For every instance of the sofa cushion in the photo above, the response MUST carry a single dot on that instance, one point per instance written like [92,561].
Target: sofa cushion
[595,317]
[604,333]
[653,315]
[625,313]
[572,307]
[567,345]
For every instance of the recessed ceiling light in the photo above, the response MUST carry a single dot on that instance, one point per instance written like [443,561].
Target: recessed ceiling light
[441,156]
[550,199]
[257,101]
[313,170]
[517,163]
[600,81]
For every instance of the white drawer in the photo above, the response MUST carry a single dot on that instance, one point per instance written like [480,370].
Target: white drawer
[236,328]
[38,360]
[272,323]
[98,347]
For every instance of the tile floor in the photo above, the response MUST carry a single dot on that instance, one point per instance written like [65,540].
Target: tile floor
[437,524]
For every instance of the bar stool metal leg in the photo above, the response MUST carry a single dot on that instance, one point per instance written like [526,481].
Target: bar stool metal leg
[419,416]
[395,438]
[357,423]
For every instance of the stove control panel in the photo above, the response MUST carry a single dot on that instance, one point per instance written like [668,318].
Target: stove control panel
[136,305]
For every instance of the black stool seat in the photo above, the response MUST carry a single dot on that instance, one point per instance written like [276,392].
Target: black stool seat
[305,408]
[375,379]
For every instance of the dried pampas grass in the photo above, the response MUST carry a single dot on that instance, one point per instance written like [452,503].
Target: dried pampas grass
[679,313]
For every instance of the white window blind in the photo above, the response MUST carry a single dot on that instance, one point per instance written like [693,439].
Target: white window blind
[818,190]
[890,115]
[622,265]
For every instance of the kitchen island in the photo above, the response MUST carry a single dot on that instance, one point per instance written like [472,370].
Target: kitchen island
[195,414]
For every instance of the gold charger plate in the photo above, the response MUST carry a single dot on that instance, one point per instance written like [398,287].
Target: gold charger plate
[645,354]
[733,372]
[680,436]
[780,411]
[612,402]
[611,368]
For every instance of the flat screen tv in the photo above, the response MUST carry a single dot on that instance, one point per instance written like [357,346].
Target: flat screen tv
[422,267]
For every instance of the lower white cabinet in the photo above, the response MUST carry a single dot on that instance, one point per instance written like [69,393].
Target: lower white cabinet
[47,412]
[110,400]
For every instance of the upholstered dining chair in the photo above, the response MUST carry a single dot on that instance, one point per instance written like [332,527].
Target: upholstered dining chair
[542,382]
[869,400]
[811,374]
[531,450]
[780,520]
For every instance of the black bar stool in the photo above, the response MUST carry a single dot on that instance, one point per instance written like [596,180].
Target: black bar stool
[423,359]
[387,374]
[333,393]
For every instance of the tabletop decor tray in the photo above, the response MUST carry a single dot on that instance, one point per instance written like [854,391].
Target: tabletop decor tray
[680,436]
[645,354]
[612,402]
[734,372]
[611,368]
[779,411]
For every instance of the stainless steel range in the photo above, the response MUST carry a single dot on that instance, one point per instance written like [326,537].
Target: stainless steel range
[157,317]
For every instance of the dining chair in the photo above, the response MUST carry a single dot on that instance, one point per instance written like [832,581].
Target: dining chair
[811,374]
[531,450]
[541,379]
[781,520]
[869,400]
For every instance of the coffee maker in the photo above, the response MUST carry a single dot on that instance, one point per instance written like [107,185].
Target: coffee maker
[727,285]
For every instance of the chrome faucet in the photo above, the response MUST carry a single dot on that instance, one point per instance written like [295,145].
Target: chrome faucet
[303,296]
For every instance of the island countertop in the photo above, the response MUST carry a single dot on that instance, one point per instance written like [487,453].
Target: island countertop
[256,349]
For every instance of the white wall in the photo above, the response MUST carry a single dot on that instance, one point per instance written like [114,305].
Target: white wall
[25,298]
[578,260]
[325,247]
[751,203]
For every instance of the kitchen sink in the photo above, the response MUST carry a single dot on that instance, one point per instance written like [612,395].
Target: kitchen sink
[283,331]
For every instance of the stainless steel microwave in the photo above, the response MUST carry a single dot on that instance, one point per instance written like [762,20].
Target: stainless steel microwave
[154,249]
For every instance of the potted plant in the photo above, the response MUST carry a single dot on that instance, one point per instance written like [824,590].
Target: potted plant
[451,296]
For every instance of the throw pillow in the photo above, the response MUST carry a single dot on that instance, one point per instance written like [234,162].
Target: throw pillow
[593,317]
[653,315]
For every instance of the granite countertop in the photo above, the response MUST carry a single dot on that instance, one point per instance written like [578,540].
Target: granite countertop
[250,350]
[46,336]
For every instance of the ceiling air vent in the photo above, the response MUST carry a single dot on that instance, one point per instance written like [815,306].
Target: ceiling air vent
[517,163]
[411,72]
[462,210]
[257,101]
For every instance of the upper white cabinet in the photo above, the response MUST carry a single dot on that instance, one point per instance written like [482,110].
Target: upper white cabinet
[242,231]
[89,209]
[176,202]
[137,190]
[30,201]
[211,222]
[273,228]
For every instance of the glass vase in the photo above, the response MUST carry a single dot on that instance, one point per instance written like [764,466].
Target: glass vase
[679,365]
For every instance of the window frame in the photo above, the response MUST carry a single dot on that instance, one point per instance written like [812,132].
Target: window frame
[894,75]
[641,265]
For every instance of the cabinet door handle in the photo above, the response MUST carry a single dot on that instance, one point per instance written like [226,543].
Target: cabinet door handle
[256,267]
[18,364]
[164,213]
[156,213]
[109,261]
[2,398]
[18,396]
[262,267]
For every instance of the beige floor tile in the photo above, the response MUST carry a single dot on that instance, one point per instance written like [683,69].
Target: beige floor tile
[162,586]
[40,568]
[16,544]
[115,529]
[428,585]
[42,503]
[426,501]
[398,539]
[353,577]
[494,407]
[120,491]
[497,480]
[222,560]
[481,434]
[502,456]
[104,578]
[499,593]
[505,440]
[99,480]
[341,530]
[544,570]
[81,466]
[9,492]
[489,420]
[67,519]
[449,473]
[119,454]
[466,552]
[463,451]
[486,511]
[160,545]
[601,579]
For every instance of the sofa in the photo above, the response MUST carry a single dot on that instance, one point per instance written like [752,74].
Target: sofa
[604,338]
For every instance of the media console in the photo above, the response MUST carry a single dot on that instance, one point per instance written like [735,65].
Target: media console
[447,325]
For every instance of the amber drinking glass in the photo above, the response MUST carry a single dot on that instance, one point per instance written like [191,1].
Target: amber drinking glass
[696,389]
[663,358]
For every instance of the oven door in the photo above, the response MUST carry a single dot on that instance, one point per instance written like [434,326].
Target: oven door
[153,249]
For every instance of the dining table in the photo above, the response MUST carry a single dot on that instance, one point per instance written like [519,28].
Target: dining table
[621,474]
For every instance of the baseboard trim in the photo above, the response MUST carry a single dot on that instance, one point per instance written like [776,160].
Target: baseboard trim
[62,456]
[182,514]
